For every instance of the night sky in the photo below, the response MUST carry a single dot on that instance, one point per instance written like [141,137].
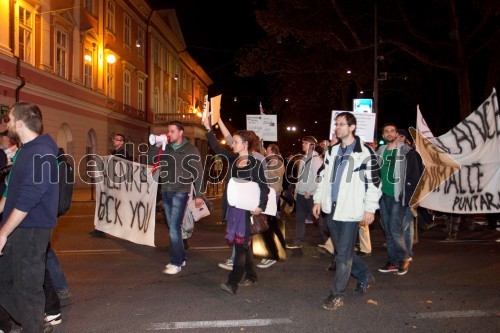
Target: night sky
[213,31]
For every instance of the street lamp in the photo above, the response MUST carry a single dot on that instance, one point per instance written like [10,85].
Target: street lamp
[111,58]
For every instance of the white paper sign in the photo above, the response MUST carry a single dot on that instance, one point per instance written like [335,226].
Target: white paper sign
[215,108]
[126,199]
[264,125]
[365,127]
[245,195]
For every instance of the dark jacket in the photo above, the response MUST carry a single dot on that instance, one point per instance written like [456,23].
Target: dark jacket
[255,171]
[179,168]
[408,170]
[121,153]
[33,185]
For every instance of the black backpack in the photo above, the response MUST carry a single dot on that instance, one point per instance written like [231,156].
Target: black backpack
[66,181]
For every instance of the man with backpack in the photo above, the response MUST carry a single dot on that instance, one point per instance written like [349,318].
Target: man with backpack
[30,214]
[55,285]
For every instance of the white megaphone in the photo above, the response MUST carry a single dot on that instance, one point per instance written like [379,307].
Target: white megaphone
[162,139]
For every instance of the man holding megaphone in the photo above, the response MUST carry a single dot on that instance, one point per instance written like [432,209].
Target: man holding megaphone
[179,164]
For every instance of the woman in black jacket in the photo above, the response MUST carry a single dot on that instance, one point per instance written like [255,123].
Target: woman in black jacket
[244,166]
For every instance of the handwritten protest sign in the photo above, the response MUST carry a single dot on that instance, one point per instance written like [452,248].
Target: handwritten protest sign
[472,185]
[126,199]
[264,125]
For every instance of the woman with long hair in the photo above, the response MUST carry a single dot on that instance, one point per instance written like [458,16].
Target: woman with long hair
[244,166]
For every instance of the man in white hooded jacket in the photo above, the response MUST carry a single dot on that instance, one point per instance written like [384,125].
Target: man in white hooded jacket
[348,193]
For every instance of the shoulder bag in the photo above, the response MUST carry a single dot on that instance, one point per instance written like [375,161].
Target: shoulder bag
[258,223]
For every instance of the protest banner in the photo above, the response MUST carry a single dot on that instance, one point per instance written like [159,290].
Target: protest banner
[125,199]
[462,173]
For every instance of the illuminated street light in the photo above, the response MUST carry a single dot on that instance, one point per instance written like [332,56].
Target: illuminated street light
[111,58]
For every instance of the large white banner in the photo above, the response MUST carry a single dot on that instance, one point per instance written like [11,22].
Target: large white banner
[126,199]
[462,167]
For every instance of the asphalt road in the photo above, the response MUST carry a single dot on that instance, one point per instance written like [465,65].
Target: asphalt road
[117,286]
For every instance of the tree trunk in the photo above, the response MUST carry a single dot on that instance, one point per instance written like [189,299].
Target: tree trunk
[464,91]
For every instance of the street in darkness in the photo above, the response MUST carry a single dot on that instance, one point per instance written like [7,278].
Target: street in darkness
[117,286]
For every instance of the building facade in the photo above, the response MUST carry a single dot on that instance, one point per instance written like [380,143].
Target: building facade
[97,68]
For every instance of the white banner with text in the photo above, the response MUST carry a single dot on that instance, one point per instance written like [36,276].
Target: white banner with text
[125,199]
[475,145]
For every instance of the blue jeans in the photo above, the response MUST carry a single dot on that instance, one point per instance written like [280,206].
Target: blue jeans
[174,204]
[302,207]
[56,274]
[392,215]
[410,231]
[347,261]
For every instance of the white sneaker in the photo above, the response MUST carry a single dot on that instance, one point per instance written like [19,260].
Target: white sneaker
[328,246]
[227,265]
[183,264]
[53,319]
[265,263]
[172,269]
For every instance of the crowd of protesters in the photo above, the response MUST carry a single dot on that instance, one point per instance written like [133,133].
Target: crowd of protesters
[338,184]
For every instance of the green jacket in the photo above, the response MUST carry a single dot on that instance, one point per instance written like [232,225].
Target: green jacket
[179,168]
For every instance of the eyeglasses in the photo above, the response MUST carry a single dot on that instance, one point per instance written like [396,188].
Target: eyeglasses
[340,124]
[115,139]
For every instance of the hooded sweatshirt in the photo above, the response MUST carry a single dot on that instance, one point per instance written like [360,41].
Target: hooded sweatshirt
[33,184]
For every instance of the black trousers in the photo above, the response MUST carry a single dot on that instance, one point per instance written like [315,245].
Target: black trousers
[243,263]
[22,273]
[52,302]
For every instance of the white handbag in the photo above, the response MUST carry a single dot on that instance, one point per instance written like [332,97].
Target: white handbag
[197,212]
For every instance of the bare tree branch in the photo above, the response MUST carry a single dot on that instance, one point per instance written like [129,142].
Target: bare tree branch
[346,23]
[423,57]
[415,32]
